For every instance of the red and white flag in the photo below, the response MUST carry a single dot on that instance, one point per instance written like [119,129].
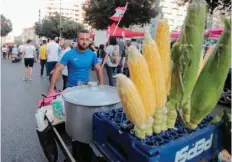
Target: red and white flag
[119,13]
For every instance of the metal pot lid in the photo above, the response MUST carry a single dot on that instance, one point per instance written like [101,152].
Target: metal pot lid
[91,95]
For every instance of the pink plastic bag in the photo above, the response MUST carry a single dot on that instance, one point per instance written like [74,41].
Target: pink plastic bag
[46,100]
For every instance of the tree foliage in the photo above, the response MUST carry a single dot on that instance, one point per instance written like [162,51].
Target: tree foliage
[97,12]
[213,5]
[6,26]
[50,27]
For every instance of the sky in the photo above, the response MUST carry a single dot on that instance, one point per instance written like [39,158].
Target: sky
[22,13]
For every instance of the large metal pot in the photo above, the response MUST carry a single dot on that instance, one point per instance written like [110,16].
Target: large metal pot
[80,104]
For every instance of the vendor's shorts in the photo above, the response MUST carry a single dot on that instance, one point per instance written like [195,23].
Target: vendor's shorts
[29,62]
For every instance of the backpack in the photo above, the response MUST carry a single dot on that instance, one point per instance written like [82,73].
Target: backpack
[115,56]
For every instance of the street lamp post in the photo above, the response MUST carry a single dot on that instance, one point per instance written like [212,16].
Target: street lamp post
[60,21]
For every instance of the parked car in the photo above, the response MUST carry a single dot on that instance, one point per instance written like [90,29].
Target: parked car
[225,98]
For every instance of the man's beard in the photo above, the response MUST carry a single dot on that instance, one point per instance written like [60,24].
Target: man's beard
[81,48]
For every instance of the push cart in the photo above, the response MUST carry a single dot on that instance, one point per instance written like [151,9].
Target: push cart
[113,139]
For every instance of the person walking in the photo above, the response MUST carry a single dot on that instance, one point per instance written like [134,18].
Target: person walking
[15,51]
[29,53]
[124,68]
[43,58]
[111,59]
[101,53]
[4,52]
[52,55]
[10,47]
[66,46]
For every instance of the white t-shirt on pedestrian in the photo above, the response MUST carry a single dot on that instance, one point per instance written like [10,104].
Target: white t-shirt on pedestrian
[29,51]
[4,49]
[63,52]
[109,51]
[15,51]
[52,51]
[21,48]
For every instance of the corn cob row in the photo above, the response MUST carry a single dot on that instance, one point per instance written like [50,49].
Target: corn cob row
[210,83]
[186,57]
[153,59]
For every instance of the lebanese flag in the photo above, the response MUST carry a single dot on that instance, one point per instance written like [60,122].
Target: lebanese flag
[119,13]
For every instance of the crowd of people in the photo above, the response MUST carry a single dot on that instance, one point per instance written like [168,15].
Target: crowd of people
[53,54]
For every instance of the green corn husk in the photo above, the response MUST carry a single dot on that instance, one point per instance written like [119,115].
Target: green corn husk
[186,54]
[217,118]
[211,80]
[164,123]
[158,120]
[144,130]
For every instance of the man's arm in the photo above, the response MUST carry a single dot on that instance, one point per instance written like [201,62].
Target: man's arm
[99,72]
[55,76]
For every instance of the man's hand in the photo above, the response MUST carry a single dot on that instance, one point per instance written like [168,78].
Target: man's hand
[102,66]
[52,72]
[55,76]
[51,92]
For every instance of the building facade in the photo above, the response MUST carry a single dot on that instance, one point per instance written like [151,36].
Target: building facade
[29,33]
[68,8]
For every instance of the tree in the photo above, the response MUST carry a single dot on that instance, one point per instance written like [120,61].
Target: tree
[50,27]
[215,5]
[97,12]
[6,26]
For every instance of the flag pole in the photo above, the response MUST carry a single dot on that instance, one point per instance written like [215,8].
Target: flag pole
[120,19]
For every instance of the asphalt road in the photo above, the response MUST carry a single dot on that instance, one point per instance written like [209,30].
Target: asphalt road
[19,139]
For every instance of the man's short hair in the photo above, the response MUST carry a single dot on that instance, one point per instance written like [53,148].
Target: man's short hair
[53,37]
[82,31]
[29,41]
[44,41]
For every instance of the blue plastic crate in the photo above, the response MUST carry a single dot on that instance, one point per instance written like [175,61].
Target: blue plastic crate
[114,136]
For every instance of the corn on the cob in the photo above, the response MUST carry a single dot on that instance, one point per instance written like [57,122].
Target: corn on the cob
[151,54]
[186,60]
[133,106]
[209,85]
[131,100]
[176,86]
[162,39]
[139,73]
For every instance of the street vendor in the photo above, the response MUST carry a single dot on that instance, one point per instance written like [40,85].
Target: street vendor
[79,62]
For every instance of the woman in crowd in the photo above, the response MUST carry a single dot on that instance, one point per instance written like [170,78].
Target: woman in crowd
[4,51]
[111,59]
[124,68]
[101,53]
